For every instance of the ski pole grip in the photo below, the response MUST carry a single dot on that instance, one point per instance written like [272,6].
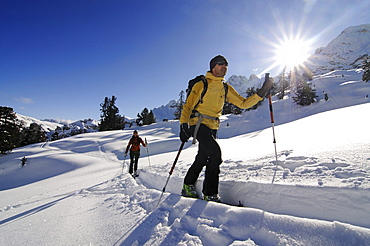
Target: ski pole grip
[267,77]
[271,111]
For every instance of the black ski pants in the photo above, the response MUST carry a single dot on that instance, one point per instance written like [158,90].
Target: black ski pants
[134,156]
[209,156]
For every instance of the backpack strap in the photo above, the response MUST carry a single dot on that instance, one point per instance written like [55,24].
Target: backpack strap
[205,87]
[226,87]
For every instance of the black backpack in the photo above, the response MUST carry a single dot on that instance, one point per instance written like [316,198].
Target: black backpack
[197,79]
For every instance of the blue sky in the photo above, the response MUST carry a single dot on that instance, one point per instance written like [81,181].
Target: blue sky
[60,59]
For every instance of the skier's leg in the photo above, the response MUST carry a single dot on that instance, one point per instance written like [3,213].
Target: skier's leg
[131,162]
[208,142]
[193,173]
[137,155]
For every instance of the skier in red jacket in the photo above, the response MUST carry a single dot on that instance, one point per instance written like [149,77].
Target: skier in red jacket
[134,147]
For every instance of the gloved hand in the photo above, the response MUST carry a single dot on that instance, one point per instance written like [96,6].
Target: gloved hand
[265,88]
[125,154]
[185,133]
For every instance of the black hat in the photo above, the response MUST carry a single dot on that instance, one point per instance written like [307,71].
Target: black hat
[216,60]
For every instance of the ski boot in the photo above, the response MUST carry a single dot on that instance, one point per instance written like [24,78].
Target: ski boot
[212,198]
[189,191]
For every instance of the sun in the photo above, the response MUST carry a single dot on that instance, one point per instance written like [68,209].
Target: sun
[288,53]
[292,53]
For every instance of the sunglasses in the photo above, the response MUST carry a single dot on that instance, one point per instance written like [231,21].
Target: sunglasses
[221,63]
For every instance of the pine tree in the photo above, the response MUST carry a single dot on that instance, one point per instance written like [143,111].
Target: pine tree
[110,119]
[145,118]
[179,105]
[10,130]
[251,91]
[55,135]
[283,84]
[141,118]
[151,118]
[305,94]
[366,68]
[227,109]
[33,134]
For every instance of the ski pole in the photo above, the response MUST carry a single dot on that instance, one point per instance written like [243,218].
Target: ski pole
[171,171]
[272,125]
[147,151]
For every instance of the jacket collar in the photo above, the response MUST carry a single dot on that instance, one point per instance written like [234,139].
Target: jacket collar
[210,76]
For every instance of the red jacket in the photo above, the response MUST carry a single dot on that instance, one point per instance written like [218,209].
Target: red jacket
[134,143]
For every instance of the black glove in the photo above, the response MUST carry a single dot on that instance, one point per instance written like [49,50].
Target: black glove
[185,133]
[265,88]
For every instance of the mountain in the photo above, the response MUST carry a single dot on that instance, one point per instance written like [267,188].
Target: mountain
[242,83]
[62,128]
[165,111]
[46,125]
[342,53]
[74,128]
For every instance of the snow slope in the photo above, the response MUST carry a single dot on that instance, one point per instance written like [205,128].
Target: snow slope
[46,125]
[342,53]
[75,191]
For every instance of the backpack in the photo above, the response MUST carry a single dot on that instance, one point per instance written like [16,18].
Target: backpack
[136,141]
[202,78]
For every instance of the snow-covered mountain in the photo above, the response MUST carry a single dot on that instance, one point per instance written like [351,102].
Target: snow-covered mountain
[62,128]
[165,111]
[242,83]
[46,125]
[342,53]
[74,128]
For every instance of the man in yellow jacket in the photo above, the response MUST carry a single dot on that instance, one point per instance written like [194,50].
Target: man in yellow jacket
[202,115]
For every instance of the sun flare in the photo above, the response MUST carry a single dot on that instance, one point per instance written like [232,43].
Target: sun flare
[292,53]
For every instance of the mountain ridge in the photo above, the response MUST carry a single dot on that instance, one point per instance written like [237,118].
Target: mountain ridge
[342,53]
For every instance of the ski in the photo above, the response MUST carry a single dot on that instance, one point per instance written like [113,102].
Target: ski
[239,205]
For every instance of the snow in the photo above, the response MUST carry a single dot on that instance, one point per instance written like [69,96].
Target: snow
[46,125]
[76,191]
[344,52]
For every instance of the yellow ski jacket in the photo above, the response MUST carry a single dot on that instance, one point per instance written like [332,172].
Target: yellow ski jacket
[213,101]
